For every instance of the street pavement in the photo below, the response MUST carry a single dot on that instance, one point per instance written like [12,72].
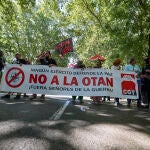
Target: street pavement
[56,124]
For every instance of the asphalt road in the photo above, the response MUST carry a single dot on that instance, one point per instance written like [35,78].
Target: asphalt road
[58,125]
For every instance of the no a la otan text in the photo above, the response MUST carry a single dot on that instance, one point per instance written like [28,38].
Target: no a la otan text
[73,81]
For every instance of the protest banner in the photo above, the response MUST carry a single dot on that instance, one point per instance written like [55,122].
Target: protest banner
[41,79]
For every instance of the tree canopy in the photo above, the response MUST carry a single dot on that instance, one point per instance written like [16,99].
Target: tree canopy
[113,29]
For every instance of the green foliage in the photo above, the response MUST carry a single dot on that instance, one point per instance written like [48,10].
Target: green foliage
[115,28]
[112,29]
[30,32]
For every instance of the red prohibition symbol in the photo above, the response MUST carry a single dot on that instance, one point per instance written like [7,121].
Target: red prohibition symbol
[14,77]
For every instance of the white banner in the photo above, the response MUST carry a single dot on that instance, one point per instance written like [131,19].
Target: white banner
[41,79]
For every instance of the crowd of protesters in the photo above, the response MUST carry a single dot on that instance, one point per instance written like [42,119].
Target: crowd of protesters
[45,58]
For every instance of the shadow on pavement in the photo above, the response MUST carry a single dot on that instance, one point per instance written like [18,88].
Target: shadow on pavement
[27,123]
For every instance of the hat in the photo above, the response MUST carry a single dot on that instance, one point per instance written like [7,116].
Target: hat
[117,62]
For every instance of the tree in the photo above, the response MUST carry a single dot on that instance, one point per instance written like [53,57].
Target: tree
[115,28]
[31,31]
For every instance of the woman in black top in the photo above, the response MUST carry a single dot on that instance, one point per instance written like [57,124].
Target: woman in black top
[44,59]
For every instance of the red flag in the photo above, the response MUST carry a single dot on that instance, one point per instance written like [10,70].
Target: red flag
[64,47]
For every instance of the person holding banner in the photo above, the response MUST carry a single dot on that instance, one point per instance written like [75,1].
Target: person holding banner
[44,59]
[116,66]
[135,68]
[80,98]
[97,99]
[2,63]
[17,60]
[146,76]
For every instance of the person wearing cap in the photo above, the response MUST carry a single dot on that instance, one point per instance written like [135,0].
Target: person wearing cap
[116,66]
[80,98]
[44,59]
[135,68]
[146,76]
